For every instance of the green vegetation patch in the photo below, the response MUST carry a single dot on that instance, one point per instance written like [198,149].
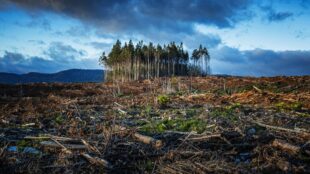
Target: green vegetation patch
[229,112]
[184,125]
[59,119]
[282,106]
[163,100]
[232,90]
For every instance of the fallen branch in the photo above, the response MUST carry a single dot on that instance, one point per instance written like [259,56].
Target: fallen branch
[119,109]
[205,137]
[96,160]
[65,149]
[258,90]
[118,104]
[37,138]
[52,144]
[28,124]
[306,134]
[181,133]
[49,137]
[90,147]
[292,149]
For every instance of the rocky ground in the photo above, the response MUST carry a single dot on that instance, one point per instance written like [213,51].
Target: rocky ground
[178,125]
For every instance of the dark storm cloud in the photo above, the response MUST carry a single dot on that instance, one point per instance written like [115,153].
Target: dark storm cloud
[221,13]
[132,15]
[261,62]
[19,63]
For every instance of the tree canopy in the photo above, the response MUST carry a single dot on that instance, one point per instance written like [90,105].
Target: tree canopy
[144,61]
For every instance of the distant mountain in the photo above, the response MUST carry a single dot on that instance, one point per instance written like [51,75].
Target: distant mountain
[67,76]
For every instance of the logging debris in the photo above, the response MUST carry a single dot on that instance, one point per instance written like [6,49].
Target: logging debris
[251,125]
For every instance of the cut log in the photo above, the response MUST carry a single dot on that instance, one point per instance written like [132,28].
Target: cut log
[148,140]
[139,137]
[292,149]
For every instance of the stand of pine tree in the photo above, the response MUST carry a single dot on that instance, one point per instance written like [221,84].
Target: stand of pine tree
[129,62]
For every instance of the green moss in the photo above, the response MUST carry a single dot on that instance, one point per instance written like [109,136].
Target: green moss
[296,106]
[163,100]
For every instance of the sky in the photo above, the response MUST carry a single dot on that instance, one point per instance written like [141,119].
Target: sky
[244,37]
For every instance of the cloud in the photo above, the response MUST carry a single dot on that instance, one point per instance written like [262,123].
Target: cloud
[58,57]
[79,31]
[18,63]
[133,15]
[36,21]
[38,42]
[61,52]
[260,62]
[228,54]
[100,45]
[279,16]
[276,16]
